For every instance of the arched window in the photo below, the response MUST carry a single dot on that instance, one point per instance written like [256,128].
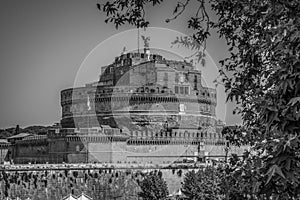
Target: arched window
[186,134]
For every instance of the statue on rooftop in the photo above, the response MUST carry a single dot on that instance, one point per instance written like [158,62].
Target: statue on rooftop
[146,41]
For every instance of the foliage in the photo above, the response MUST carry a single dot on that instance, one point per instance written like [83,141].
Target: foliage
[54,185]
[239,179]
[204,184]
[125,11]
[154,187]
[262,74]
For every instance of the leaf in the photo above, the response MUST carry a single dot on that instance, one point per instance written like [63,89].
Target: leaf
[154,2]
[176,8]
[98,6]
[294,100]
[203,62]
[272,171]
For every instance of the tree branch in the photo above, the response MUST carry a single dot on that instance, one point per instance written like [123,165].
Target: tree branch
[183,6]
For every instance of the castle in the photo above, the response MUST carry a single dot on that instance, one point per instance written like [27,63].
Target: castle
[143,109]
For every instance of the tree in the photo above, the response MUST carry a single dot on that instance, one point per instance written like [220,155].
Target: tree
[17,131]
[262,74]
[153,187]
[204,184]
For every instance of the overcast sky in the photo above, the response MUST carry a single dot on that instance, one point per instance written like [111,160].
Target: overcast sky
[43,45]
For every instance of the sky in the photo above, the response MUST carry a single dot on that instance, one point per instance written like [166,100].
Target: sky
[47,46]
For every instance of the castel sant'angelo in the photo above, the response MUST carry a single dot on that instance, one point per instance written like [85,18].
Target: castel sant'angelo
[143,109]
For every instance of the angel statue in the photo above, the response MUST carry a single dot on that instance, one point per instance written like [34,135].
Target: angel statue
[146,41]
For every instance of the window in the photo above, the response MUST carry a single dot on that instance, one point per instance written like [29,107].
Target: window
[166,76]
[186,90]
[181,90]
[176,77]
[195,86]
[176,89]
[186,77]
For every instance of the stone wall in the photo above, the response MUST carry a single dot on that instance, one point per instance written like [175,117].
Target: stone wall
[119,152]
[31,151]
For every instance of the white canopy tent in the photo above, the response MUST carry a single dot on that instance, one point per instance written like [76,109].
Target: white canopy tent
[80,197]
[84,197]
[69,197]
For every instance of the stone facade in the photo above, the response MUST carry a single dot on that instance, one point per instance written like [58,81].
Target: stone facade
[143,109]
[110,145]
[138,88]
